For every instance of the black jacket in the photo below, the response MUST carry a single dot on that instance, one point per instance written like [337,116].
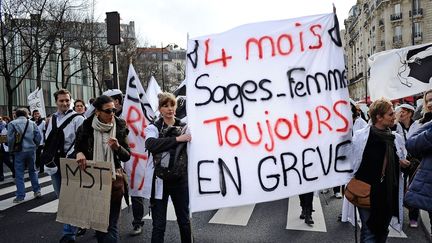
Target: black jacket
[85,139]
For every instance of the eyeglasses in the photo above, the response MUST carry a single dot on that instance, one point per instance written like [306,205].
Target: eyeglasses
[109,111]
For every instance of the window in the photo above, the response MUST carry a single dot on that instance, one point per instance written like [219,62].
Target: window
[398,31]
[416,4]
[397,8]
[417,29]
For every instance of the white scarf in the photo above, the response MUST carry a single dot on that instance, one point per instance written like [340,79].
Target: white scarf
[101,151]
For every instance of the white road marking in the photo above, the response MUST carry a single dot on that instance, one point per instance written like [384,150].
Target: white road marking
[295,223]
[233,216]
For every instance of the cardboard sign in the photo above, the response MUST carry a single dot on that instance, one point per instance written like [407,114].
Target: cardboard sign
[269,112]
[85,196]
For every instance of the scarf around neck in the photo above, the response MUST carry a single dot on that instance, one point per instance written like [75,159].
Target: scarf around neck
[101,151]
[390,177]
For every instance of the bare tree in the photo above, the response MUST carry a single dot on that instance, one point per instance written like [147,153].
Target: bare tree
[16,60]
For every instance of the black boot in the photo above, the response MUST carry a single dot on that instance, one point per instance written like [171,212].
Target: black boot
[308,217]
[302,215]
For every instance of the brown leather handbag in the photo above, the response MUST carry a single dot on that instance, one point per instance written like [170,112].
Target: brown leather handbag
[358,193]
[118,185]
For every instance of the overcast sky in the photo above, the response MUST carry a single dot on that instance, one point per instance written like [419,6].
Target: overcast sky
[169,21]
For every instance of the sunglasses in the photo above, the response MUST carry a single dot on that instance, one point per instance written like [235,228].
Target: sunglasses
[109,111]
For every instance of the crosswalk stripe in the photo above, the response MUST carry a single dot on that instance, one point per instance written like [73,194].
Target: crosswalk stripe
[171,216]
[51,207]
[27,184]
[295,223]
[8,203]
[233,216]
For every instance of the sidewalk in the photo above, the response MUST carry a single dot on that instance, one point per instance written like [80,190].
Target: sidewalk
[426,223]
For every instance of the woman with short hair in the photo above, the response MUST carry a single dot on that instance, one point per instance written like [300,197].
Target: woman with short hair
[176,188]
[378,155]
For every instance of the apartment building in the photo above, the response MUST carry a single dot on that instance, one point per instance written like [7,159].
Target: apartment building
[378,25]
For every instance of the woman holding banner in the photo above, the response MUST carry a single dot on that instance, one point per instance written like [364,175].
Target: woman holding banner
[159,142]
[103,137]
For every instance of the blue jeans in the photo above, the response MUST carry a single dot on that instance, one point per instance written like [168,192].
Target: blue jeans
[21,158]
[69,231]
[112,236]
[366,235]
[180,198]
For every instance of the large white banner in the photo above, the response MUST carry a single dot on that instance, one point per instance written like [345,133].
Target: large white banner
[36,101]
[137,112]
[399,73]
[269,112]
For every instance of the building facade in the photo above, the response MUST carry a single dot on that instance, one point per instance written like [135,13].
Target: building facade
[378,25]
[166,65]
[78,60]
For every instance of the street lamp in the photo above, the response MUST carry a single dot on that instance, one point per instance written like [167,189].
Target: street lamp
[162,61]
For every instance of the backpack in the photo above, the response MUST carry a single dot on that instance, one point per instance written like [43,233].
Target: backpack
[17,145]
[172,164]
[54,144]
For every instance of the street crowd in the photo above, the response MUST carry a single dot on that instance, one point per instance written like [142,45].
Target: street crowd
[391,147]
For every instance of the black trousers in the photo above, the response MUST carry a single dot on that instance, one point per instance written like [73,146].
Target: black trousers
[5,159]
[306,200]
[180,198]
[138,211]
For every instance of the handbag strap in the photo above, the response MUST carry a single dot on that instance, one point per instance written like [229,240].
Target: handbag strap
[384,167]
[24,132]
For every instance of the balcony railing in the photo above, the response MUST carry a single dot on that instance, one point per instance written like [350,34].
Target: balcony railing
[417,12]
[418,36]
[381,23]
[396,17]
[397,38]
[377,3]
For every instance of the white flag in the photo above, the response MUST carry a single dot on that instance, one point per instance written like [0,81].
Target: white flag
[137,114]
[153,90]
[36,101]
[401,72]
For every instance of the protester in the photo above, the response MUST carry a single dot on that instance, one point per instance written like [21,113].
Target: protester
[40,123]
[4,149]
[358,123]
[117,96]
[427,113]
[306,201]
[378,154]
[79,106]
[103,137]
[24,151]
[405,113]
[177,189]
[420,145]
[137,201]
[415,129]
[63,116]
